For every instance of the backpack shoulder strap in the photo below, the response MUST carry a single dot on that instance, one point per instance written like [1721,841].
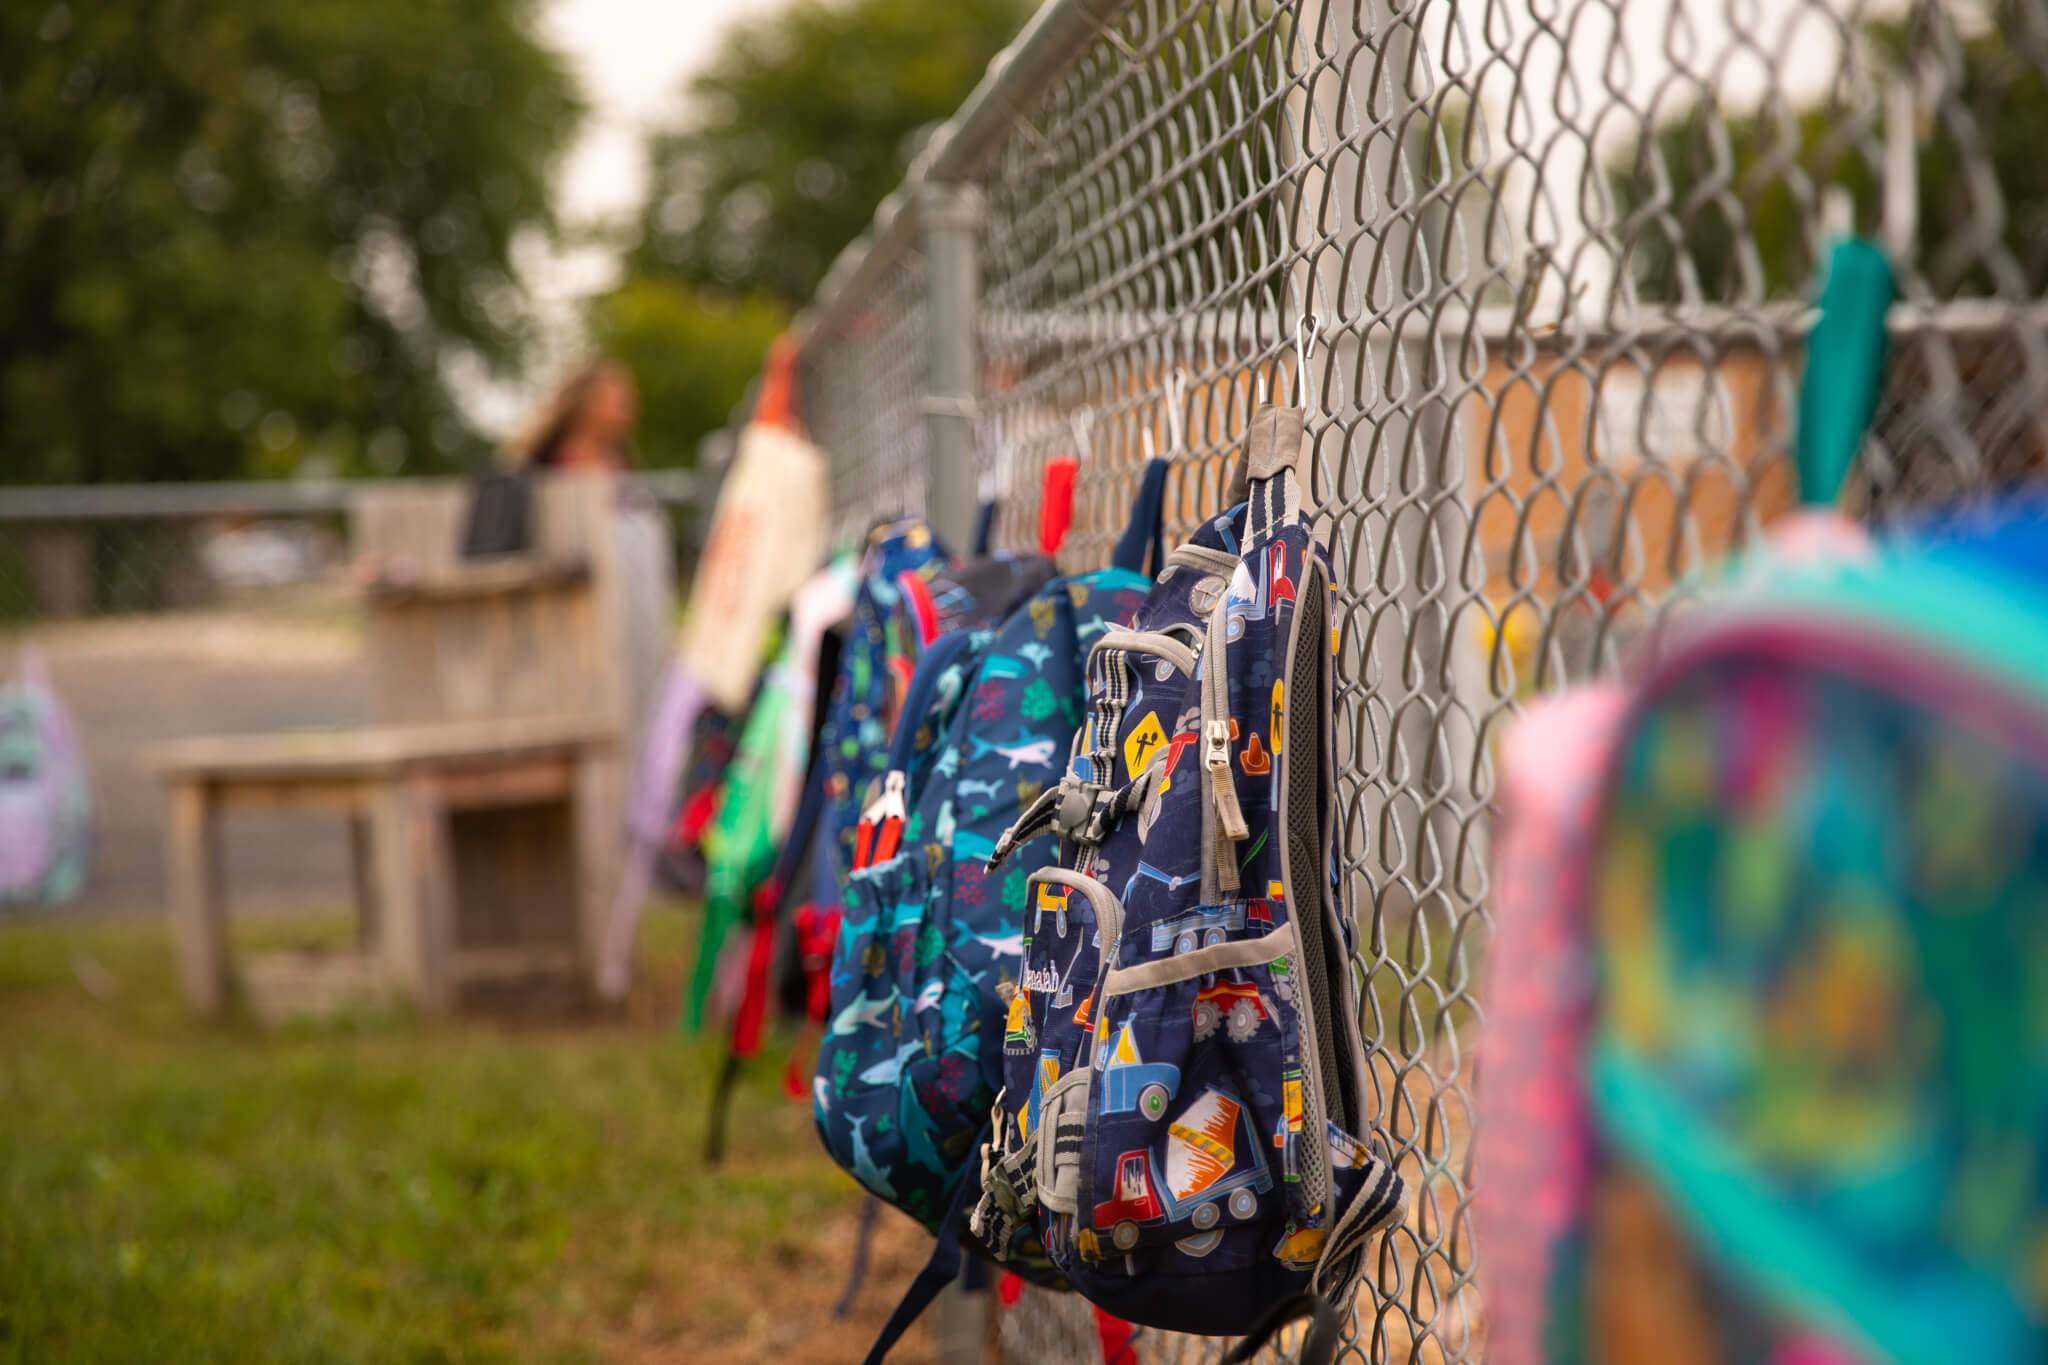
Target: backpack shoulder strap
[1143,546]
[1276,470]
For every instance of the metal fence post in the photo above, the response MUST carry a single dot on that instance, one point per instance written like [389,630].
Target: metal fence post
[949,217]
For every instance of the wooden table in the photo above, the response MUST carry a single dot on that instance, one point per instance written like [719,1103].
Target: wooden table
[482,848]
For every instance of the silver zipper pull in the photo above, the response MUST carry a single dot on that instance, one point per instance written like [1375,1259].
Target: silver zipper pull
[1217,759]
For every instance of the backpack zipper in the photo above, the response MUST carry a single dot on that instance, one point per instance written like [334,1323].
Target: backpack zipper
[1223,821]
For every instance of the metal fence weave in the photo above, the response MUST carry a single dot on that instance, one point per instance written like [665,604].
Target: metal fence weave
[1541,270]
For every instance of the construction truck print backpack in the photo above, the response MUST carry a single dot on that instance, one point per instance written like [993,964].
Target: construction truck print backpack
[1183,1112]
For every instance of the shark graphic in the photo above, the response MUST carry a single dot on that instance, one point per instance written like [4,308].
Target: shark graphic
[1036,751]
[1002,666]
[969,787]
[864,1169]
[864,1013]
[821,1095]
[970,847]
[1002,945]
[888,1072]
[1035,654]
[930,996]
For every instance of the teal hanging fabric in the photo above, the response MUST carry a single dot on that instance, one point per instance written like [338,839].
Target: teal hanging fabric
[1845,365]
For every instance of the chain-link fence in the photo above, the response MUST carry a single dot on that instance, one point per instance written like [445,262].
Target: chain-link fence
[1549,262]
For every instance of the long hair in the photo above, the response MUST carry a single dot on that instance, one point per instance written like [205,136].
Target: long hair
[538,444]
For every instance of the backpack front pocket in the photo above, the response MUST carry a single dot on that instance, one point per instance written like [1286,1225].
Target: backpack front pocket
[1071,925]
[1198,1110]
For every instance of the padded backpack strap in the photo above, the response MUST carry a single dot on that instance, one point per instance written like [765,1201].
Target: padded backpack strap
[1276,469]
[1319,1347]
[941,1270]
[984,529]
[1146,532]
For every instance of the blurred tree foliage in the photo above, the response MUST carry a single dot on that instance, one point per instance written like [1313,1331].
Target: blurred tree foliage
[803,121]
[1688,194]
[234,234]
[693,353]
[795,132]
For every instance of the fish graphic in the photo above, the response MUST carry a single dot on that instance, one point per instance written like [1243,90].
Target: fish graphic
[864,1169]
[1038,751]
[864,1013]
[1003,945]
[888,1072]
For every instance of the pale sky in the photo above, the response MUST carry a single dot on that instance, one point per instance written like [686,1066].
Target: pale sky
[632,58]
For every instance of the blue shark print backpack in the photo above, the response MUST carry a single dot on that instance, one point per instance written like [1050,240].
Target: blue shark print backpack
[1184,1092]
[874,666]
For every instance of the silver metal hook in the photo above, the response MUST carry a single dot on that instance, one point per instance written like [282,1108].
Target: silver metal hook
[1176,414]
[1306,333]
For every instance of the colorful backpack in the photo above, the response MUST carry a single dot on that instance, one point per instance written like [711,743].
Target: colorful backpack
[760,788]
[874,668]
[928,949]
[1808,916]
[45,800]
[1185,1096]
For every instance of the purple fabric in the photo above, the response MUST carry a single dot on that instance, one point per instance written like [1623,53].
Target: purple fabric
[647,819]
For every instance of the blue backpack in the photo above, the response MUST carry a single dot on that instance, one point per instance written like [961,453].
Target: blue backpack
[1185,1093]
[928,952]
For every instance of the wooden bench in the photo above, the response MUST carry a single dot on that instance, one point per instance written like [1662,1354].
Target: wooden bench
[485,805]
[470,840]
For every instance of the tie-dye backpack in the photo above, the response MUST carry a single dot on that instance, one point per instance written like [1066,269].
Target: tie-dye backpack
[45,800]
[1183,1114]
[1806,907]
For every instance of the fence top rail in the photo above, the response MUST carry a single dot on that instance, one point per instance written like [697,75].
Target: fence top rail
[1495,324]
[249,497]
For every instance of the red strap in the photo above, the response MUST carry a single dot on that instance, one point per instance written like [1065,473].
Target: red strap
[776,406]
[1118,1339]
[817,934]
[923,610]
[746,1024]
[1056,504]
[888,839]
[695,815]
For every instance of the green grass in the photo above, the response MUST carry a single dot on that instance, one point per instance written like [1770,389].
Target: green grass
[372,1191]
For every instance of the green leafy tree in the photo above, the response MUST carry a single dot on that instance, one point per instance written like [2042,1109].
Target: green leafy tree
[803,122]
[232,234]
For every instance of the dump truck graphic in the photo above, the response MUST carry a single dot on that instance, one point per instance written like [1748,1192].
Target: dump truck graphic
[1213,1166]
[1235,1006]
[1130,1082]
[1204,928]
